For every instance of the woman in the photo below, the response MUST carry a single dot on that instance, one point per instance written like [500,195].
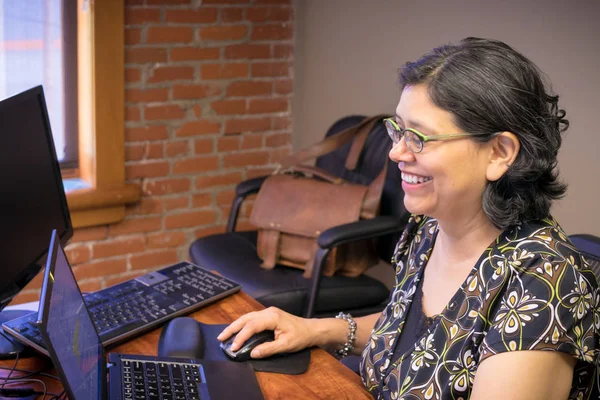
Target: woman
[484,275]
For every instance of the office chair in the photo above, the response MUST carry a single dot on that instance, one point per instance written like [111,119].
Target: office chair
[233,254]
[589,246]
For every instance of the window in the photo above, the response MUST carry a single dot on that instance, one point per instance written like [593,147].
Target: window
[38,45]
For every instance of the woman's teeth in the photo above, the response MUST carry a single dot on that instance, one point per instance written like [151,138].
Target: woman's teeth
[414,178]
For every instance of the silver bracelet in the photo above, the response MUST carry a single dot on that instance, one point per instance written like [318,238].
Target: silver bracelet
[349,345]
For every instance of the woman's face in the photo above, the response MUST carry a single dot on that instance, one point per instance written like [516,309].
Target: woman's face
[447,178]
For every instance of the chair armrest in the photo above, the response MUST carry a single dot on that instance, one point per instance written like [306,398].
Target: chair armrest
[242,190]
[363,229]
[250,186]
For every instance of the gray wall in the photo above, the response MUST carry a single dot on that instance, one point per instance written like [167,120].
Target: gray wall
[348,53]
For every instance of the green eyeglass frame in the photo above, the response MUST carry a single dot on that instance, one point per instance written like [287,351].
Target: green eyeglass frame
[414,139]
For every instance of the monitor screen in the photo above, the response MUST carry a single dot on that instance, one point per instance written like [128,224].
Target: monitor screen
[32,197]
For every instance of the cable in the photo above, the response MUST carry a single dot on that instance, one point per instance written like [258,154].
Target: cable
[14,367]
[26,390]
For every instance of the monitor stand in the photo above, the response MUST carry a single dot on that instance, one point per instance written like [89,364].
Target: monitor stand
[10,347]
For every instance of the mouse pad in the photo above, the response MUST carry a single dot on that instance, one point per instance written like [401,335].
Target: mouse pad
[285,363]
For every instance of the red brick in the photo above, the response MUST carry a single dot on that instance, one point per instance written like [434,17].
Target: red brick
[201,200]
[168,2]
[153,259]
[134,152]
[268,14]
[197,164]
[195,91]
[168,74]
[100,268]
[249,88]
[26,297]
[133,36]
[280,2]
[225,197]
[78,254]
[197,110]
[261,106]
[231,14]
[169,34]
[277,155]
[87,234]
[252,51]
[136,225]
[146,95]
[147,170]
[166,186]
[225,1]
[251,142]
[279,139]
[284,31]
[140,55]
[90,285]
[178,148]
[283,51]
[270,69]
[194,54]
[152,132]
[189,219]
[227,32]
[176,203]
[228,107]
[146,206]
[116,279]
[163,112]
[257,172]
[132,75]
[129,3]
[284,86]
[223,179]
[228,144]
[282,123]
[140,16]
[119,247]
[132,113]
[245,159]
[203,146]
[201,127]
[247,125]
[224,71]
[166,239]
[213,230]
[153,150]
[187,16]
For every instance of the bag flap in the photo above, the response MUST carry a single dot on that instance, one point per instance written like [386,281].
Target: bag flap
[305,206]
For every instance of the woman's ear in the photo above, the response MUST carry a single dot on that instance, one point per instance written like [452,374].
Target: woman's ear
[504,150]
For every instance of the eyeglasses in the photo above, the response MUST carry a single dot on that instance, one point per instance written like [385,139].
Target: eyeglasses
[414,139]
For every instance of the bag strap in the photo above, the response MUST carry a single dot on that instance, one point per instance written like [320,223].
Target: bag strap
[335,141]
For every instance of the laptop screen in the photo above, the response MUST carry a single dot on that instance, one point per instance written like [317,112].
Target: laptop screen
[73,342]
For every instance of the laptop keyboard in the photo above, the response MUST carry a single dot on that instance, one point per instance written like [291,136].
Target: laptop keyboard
[131,308]
[160,380]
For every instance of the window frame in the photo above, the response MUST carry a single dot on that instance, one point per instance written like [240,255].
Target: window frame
[101,116]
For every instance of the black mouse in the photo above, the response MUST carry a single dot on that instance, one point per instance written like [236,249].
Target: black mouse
[243,353]
[181,337]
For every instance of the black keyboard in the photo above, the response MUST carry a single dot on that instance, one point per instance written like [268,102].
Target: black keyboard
[131,308]
[161,380]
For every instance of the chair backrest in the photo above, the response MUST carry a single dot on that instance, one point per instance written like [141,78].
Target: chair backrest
[589,246]
[371,162]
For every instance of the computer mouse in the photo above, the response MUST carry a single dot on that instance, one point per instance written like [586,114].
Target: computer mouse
[181,337]
[243,353]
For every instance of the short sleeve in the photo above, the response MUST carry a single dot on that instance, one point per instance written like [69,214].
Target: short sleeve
[549,302]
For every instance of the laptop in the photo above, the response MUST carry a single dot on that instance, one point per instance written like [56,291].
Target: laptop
[79,358]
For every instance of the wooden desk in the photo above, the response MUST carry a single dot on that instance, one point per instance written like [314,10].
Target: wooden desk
[326,377]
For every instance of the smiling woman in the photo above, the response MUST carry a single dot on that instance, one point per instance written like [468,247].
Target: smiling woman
[491,300]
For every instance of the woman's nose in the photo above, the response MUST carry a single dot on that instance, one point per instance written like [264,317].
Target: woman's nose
[400,152]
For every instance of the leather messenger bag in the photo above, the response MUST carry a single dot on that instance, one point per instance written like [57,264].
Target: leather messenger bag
[298,202]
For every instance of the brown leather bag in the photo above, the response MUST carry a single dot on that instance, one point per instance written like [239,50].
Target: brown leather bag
[298,202]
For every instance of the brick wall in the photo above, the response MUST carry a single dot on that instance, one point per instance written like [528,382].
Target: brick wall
[208,104]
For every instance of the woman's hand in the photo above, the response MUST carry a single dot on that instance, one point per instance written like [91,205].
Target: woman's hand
[292,333]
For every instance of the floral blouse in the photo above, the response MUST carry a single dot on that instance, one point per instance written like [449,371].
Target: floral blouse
[530,290]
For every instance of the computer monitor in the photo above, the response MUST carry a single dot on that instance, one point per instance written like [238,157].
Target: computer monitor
[32,197]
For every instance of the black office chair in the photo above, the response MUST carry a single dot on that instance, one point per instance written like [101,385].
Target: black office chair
[233,254]
[589,246]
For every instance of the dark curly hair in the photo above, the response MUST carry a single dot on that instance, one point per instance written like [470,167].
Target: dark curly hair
[489,87]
